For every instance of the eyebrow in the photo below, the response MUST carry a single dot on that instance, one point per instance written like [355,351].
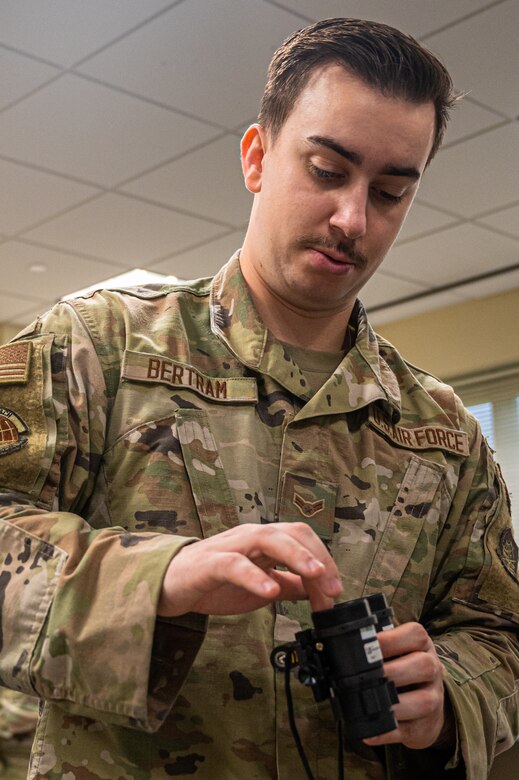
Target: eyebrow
[390,170]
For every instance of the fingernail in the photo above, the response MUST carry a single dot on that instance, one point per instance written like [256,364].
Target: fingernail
[268,587]
[314,566]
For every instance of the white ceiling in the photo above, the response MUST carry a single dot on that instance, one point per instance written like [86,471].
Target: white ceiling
[119,140]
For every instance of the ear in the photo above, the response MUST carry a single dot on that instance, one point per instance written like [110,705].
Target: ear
[253,148]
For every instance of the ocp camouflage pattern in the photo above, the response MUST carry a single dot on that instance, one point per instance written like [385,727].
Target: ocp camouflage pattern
[18,718]
[162,415]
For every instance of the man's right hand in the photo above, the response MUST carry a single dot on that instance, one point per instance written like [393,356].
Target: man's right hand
[234,571]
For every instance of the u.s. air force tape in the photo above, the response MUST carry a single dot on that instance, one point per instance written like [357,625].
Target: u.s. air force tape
[423,438]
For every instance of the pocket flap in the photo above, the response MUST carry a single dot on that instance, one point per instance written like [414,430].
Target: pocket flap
[412,505]
[211,491]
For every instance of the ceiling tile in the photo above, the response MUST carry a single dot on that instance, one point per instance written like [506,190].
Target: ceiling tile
[21,200]
[204,260]
[415,18]
[18,309]
[65,31]
[382,288]
[487,61]
[467,119]
[493,286]
[87,130]
[65,273]
[410,309]
[476,175]
[123,230]
[23,315]
[506,220]
[452,255]
[20,75]
[208,59]
[422,219]
[207,182]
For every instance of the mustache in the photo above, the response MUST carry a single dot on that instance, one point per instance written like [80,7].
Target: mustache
[346,248]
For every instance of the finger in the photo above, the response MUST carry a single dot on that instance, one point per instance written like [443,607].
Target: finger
[291,586]
[414,669]
[293,545]
[425,701]
[389,738]
[192,582]
[230,568]
[233,568]
[321,578]
[242,559]
[407,638]
[416,734]
[319,600]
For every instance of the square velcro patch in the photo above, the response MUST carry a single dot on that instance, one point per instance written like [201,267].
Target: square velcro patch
[15,362]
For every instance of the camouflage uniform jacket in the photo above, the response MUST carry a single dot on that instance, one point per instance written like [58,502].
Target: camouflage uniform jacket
[136,421]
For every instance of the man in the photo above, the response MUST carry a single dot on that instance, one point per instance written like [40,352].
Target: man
[232,447]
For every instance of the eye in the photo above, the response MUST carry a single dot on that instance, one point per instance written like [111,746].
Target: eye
[388,197]
[324,174]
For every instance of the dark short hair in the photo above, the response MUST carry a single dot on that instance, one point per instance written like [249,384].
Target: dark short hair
[383,57]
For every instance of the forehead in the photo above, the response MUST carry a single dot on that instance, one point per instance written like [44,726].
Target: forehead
[340,105]
[335,81]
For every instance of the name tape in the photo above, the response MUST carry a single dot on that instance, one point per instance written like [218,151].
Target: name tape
[143,367]
[423,438]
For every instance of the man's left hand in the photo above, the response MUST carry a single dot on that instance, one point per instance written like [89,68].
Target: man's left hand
[423,715]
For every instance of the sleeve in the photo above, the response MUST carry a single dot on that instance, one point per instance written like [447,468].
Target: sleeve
[77,603]
[472,616]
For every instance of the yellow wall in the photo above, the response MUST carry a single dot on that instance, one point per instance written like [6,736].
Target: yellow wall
[465,338]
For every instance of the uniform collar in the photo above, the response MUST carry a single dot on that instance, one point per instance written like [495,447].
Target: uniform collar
[363,376]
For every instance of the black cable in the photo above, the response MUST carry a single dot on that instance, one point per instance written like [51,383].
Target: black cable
[340,750]
[292,720]
[295,732]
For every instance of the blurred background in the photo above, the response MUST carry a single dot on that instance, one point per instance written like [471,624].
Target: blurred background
[120,124]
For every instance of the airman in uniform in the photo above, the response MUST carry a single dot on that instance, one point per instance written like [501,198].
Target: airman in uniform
[188,471]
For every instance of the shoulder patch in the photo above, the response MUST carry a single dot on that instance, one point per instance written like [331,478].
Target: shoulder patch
[507,552]
[15,360]
[28,418]
[13,431]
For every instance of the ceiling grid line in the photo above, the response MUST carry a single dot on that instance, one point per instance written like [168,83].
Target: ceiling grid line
[462,19]
[128,154]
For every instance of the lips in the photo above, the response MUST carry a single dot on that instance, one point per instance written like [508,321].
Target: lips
[335,257]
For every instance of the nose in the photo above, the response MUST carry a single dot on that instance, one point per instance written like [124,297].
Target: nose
[350,215]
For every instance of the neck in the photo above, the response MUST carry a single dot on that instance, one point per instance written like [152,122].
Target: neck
[324,334]
[322,331]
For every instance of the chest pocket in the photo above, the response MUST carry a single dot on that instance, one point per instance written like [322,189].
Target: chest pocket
[401,567]
[211,491]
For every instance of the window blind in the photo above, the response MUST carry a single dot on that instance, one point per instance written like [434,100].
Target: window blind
[494,400]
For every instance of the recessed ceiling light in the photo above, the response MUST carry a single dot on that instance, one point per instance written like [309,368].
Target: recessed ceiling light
[134,278]
[38,268]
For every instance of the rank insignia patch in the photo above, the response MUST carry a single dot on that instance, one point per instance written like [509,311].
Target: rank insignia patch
[13,431]
[308,508]
[14,363]
[507,552]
